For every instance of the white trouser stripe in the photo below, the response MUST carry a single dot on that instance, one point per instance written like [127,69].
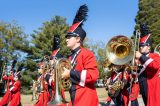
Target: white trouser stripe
[83,78]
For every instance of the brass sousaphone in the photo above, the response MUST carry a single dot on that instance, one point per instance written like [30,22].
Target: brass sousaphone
[120,50]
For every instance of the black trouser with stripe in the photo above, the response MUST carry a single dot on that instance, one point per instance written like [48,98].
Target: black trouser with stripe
[144,90]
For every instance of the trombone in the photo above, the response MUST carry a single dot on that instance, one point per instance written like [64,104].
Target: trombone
[136,45]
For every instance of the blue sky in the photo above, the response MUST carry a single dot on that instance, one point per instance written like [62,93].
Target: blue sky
[106,18]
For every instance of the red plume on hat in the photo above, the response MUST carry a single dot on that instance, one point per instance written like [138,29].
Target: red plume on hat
[145,35]
[76,28]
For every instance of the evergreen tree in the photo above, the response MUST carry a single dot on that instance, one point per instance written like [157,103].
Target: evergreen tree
[149,13]
[12,40]
[42,44]
[43,38]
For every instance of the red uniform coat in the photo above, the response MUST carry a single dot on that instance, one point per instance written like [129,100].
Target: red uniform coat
[43,97]
[83,78]
[7,97]
[10,80]
[15,92]
[152,68]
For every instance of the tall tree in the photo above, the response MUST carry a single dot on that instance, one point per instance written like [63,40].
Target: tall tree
[42,41]
[12,40]
[149,13]
[43,38]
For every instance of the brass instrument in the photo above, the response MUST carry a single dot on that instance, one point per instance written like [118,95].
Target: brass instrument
[46,66]
[61,63]
[120,50]
[157,49]
[115,86]
[59,82]
[107,68]
[40,83]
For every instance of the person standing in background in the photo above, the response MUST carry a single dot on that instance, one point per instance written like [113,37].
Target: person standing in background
[15,92]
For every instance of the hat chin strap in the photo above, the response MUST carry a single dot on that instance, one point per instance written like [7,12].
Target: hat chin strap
[145,53]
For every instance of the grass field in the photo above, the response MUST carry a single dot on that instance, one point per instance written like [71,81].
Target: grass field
[26,100]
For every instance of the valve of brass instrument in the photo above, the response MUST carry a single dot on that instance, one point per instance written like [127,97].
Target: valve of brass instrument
[60,65]
[66,81]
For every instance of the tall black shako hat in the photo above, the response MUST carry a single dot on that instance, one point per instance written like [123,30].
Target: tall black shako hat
[19,69]
[76,28]
[56,42]
[56,47]
[145,39]
[13,65]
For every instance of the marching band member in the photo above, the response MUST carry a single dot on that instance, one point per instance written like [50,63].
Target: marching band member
[15,92]
[84,71]
[9,78]
[117,87]
[43,97]
[151,67]
[142,77]
[10,81]
[55,55]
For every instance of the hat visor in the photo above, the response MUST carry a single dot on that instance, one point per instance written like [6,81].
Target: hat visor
[143,44]
[71,34]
